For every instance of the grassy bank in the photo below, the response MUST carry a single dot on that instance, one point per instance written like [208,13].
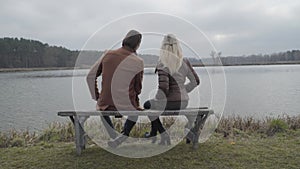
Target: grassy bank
[279,151]
[237,143]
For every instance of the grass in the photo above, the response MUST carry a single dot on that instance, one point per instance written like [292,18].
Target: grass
[278,151]
[237,143]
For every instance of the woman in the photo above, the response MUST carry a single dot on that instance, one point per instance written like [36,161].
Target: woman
[172,93]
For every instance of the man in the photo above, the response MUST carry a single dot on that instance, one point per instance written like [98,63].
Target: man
[122,75]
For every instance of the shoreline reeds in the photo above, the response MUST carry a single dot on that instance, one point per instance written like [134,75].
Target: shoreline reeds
[228,127]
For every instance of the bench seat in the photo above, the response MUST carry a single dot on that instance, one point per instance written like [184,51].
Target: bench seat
[200,115]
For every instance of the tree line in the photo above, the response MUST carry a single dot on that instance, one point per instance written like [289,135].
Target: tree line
[25,53]
[275,58]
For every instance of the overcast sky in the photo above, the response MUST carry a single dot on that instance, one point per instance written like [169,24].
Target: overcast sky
[235,27]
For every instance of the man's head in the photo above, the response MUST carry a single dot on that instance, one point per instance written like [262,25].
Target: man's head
[132,40]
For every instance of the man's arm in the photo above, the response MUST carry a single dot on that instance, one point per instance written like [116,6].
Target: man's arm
[138,82]
[92,76]
[139,78]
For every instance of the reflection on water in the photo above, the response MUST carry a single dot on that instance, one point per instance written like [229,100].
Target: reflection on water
[32,99]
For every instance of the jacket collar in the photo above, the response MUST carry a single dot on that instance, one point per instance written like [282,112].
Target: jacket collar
[128,49]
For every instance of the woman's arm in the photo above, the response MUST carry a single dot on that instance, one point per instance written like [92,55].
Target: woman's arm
[192,76]
[163,83]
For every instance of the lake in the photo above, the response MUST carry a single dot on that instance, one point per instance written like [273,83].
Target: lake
[31,100]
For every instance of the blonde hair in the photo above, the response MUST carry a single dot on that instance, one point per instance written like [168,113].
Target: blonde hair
[171,53]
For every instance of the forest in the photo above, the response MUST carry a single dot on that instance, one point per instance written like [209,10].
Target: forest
[23,53]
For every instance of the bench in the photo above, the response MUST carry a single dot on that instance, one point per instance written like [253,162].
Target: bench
[200,115]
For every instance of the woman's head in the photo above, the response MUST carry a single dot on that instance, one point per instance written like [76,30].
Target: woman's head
[171,53]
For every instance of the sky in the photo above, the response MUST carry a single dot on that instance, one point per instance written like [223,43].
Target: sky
[234,27]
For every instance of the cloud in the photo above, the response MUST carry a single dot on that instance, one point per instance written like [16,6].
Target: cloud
[235,27]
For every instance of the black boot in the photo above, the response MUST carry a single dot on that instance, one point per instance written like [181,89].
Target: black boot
[151,136]
[165,139]
[109,126]
[130,122]
[116,142]
[154,128]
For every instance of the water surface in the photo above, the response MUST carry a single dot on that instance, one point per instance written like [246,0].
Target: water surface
[31,100]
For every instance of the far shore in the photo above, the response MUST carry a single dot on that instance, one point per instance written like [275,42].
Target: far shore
[34,69]
[146,66]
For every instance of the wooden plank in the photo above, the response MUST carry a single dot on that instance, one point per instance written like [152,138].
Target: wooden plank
[190,111]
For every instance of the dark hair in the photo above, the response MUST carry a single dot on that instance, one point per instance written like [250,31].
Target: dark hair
[132,39]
